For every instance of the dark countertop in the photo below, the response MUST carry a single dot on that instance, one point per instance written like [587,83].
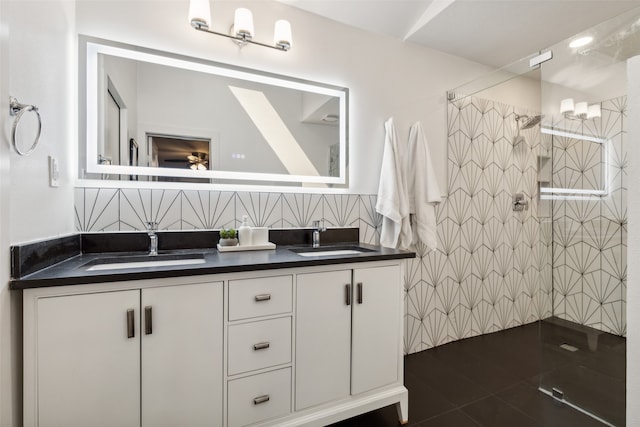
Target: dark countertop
[73,271]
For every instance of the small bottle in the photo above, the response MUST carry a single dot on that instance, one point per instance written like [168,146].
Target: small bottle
[244,233]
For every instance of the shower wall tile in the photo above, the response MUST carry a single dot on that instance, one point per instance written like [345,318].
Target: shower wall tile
[589,265]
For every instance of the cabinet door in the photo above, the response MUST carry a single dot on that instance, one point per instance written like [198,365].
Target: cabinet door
[323,337]
[88,368]
[376,328]
[182,355]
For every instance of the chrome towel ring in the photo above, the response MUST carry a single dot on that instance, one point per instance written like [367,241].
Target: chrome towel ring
[17,109]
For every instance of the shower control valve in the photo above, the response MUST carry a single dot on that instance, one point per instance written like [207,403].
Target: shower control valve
[519,203]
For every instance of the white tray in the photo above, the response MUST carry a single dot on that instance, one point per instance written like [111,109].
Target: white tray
[266,246]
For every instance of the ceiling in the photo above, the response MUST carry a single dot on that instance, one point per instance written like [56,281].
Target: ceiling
[490,32]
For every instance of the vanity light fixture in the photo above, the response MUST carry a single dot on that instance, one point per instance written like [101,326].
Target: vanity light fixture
[579,110]
[594,111]
[242,31]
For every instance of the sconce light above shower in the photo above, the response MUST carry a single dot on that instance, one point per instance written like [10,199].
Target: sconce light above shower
[242,30]
[579,110]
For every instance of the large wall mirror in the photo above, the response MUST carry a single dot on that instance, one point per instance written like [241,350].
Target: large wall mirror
[155,116]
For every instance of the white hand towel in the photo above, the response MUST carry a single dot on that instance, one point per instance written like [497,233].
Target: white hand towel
[424,192]
[393,203]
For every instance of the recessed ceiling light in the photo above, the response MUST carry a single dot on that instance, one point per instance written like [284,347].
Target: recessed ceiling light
[582,41]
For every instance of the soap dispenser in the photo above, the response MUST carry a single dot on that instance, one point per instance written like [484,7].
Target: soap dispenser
[244,233]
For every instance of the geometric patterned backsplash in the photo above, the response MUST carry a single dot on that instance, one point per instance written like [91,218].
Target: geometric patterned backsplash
[112,209]
[491,270]
[590,233]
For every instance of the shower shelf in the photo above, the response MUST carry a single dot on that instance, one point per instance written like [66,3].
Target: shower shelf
[544,169]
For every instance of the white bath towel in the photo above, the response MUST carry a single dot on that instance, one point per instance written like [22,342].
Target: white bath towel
[423,190]
[393,203]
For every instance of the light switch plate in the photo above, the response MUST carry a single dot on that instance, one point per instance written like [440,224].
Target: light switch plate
[54,172]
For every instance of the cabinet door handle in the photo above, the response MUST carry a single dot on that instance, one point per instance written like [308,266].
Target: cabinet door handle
[261,399]
[261,345]
[131,331]
[359,292]
[148,320]
[347,294]
[263,297]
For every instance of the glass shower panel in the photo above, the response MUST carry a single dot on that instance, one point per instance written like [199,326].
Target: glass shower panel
[583,344]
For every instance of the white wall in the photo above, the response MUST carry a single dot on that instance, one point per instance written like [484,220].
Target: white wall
[633,244]
[385,76]
[521,91]
[37,51]
[7,358]
[43,72]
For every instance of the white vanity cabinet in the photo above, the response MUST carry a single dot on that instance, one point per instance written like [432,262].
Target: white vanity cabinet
[305,345]
[182,355]
[137,357]
[348,333]
[259,348]
[85,359]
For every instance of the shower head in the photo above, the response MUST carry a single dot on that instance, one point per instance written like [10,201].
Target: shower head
[528,121]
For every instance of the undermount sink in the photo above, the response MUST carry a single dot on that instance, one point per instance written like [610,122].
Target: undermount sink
[331,251]
[143,261]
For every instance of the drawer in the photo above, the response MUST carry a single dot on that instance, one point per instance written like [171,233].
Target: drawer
[258,345]
[260,297]
[259,397]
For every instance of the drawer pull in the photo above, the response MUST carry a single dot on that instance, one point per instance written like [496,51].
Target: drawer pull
[261,345]
[261,399]
[359,292]
[131,332]
[263,297]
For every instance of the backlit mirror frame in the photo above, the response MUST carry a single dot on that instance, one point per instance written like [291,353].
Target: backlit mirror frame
[91,48]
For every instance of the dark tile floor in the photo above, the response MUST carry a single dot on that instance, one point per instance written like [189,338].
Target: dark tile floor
[492,380]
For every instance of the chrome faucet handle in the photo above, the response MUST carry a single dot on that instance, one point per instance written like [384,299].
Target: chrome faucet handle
[316,225]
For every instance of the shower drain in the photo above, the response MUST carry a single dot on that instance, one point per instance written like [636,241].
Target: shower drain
[568,347]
